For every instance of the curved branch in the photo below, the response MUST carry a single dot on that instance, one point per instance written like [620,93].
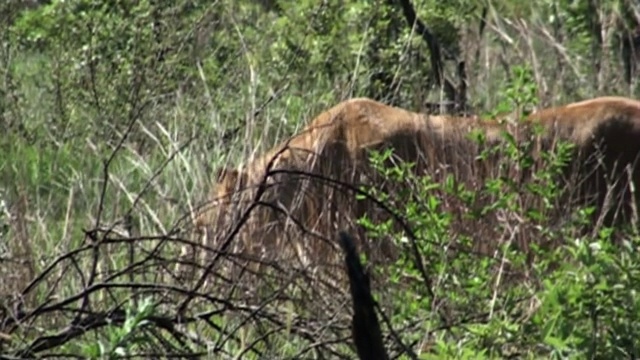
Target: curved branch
[435,51]
[435,55]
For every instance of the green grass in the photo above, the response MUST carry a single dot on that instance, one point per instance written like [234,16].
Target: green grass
[53,160]
[63,181]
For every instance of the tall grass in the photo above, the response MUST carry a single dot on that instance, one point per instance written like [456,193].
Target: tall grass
[83,184]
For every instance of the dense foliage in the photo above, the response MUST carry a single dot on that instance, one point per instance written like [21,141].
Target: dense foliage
[115,114]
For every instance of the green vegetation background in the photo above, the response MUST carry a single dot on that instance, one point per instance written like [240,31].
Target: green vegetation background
[196,84]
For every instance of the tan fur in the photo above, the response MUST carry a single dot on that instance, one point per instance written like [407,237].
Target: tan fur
[606,131]
[334,144]
[331,145]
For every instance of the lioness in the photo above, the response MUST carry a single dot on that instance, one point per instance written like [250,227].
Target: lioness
[334,145]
